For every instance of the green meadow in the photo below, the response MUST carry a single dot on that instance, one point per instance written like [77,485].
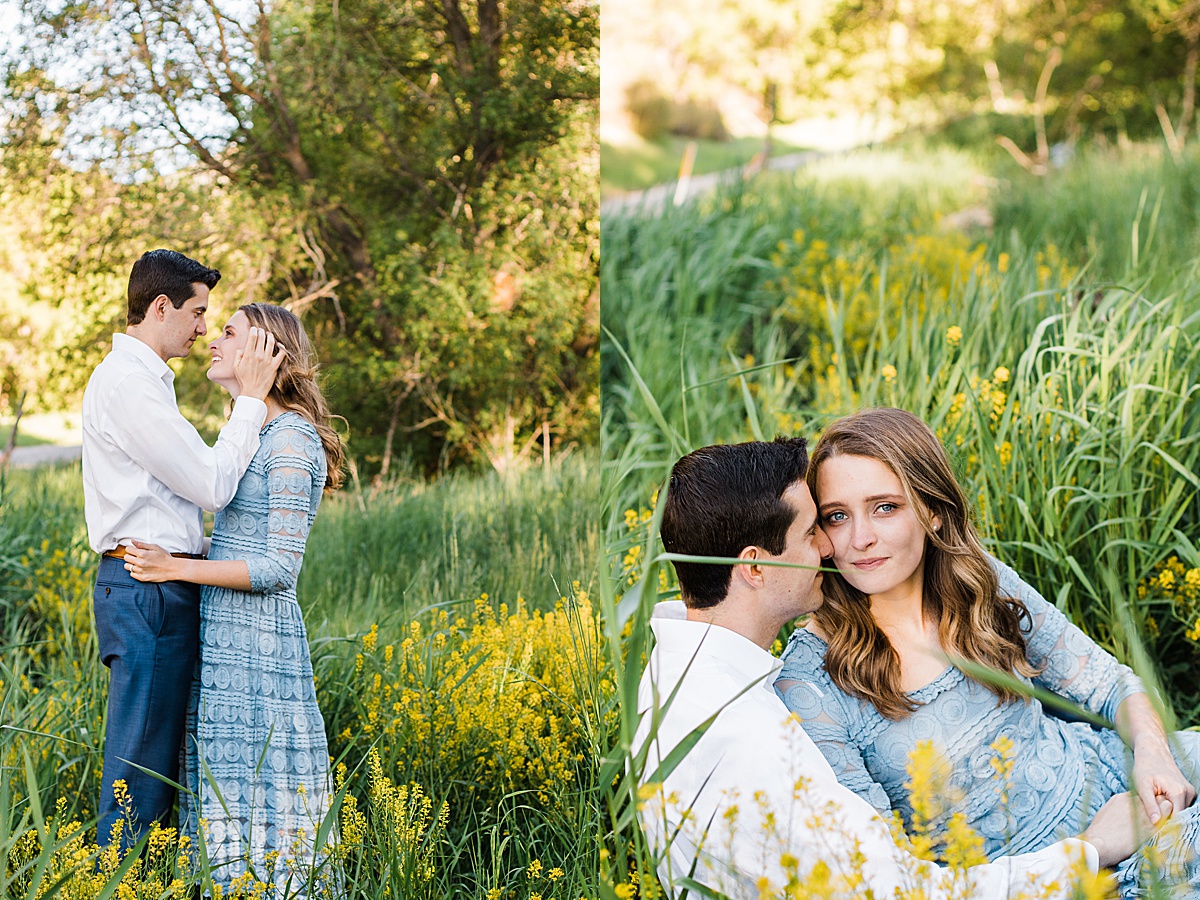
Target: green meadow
[457,656]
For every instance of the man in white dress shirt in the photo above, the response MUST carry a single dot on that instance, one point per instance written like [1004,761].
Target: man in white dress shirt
[147,474]
[753,804]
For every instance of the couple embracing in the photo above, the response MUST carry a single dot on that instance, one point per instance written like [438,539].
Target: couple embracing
[798,763]
[210,682]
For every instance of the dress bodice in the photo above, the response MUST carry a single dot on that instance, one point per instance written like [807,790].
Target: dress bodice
[268,520]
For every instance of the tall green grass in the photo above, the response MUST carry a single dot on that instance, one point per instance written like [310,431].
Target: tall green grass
[386,553]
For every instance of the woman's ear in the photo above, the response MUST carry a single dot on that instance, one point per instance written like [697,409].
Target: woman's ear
[936,522]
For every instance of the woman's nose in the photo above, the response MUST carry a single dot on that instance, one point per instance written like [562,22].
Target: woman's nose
[863,535]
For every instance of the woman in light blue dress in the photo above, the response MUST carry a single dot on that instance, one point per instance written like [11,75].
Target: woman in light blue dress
[869,680]
[256,759]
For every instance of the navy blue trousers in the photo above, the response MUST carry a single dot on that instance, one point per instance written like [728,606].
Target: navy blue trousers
[149,637]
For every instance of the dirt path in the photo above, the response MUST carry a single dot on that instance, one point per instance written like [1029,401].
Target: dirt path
[43,454]
[655,199]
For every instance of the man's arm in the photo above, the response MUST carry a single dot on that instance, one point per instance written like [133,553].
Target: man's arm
[146,426]
[149,428]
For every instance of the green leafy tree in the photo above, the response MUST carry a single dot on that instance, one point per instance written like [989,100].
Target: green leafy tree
[404,175]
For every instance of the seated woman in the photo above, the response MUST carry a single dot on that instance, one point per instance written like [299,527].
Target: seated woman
[868,675]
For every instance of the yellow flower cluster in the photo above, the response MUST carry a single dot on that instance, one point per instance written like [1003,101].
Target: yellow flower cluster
[1176,582]
[498,703]
[59,587]
[398,832]
[932,835]
[931,265]
[935,835]
[637,523]
[77,869]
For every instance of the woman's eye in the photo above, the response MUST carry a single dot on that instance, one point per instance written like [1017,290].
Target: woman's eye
[886,507]
[834,517]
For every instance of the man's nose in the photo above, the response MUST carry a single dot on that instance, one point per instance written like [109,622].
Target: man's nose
[824,544]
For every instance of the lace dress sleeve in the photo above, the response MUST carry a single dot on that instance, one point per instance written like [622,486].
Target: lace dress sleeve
[1072,664]
[806,690]
[292,475]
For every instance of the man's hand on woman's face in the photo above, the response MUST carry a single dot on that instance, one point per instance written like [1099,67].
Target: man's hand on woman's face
[256,365]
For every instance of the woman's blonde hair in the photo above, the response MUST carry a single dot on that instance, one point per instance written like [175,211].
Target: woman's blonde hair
[961,591]
[296,385]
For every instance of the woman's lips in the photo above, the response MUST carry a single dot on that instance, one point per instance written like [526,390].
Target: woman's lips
[867,565]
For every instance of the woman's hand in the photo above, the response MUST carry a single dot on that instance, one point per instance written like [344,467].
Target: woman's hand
[1156,778]
[256,365]
[150,562]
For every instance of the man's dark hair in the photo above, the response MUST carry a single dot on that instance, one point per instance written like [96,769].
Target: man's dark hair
[165,272]
[724,498]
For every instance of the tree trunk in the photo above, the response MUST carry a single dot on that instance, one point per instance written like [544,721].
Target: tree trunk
[11,444]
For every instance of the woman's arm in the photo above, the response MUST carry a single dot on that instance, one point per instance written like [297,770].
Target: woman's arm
[825,721]
[1072,664]
[150,562]
[1156,775]
[1076,667]
[834,741]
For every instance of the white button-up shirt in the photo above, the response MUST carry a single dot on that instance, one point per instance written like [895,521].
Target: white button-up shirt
[147,473]
[754,802]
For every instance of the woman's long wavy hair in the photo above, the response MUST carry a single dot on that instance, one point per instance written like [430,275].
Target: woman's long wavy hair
[296,386]
[961,591]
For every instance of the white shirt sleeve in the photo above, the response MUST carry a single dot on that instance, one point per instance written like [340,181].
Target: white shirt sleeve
[148,427]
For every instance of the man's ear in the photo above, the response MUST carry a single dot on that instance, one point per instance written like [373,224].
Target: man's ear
[750,572]
[159,306]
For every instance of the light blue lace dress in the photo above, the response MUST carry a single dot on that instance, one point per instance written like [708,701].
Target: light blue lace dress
[253,717]
[1063,772]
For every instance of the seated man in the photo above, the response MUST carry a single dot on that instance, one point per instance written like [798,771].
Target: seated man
[753,805]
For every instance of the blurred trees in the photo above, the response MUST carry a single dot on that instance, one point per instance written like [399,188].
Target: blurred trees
[416,179]
[1044,71]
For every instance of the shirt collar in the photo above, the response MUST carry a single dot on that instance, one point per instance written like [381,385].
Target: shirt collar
[676,634]
[129,344]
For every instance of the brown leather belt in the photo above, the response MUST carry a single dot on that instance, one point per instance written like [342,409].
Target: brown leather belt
[119,553]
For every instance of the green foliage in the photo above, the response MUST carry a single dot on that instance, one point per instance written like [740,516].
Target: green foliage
[655,115]
[1035,73]
[395,547]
